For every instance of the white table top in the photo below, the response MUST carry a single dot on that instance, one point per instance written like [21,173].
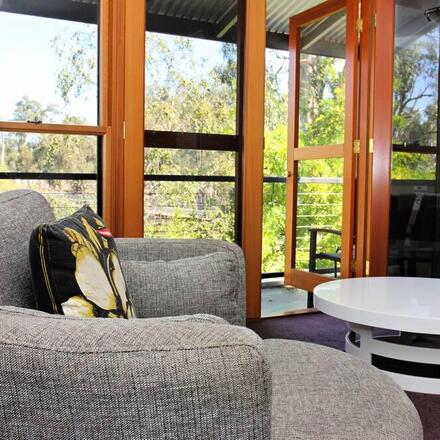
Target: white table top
[396,303]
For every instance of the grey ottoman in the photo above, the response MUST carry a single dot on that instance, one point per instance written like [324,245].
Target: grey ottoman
[325,394]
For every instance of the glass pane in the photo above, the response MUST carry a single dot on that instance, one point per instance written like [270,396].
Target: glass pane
[322,82]
[50,153]
[189,162]
[189,210]
[274,215]
[275,159]
[49,59]
[191,66]
[319,206]
[413,166]
[415,189]
[65,196]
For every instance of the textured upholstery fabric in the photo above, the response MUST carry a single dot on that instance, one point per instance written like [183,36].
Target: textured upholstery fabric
[135,379]
[184,377]
[322,393]
[151,250]
[20,212]
[204,284]
[200,317]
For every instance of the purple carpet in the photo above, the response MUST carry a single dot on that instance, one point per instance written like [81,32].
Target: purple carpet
[325,330]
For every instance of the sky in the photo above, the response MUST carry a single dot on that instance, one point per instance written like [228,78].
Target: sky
[29,64]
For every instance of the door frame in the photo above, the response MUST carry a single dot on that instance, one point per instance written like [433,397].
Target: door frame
[382,133]
[293,276]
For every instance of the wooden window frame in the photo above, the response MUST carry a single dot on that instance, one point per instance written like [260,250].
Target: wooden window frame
[253,150]
[121,127]
[123,111]
[121,98]
[100,130]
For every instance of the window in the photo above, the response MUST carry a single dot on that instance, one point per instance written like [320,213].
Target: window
[50,139]
[275,161]
[415,185]
[192,120]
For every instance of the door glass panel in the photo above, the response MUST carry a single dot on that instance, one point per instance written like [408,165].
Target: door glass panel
[49,59]
[414,234]
[322,82]
[318,214]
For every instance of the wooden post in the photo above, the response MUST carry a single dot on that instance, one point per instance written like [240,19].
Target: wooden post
[383,123]
[253,150]
[112,108]
[133,213]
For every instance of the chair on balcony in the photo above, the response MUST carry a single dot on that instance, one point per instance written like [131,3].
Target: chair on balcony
[414,235]
[173,377]
[314,256]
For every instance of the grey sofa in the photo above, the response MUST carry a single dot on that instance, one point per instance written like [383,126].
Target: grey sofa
[184,377]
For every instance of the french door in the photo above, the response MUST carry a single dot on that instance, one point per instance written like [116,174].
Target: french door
[322,144]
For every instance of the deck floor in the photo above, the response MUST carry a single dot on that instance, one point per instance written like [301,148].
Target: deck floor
[278,300]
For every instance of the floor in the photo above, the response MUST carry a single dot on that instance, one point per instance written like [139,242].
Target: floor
[276,299]
[325,330]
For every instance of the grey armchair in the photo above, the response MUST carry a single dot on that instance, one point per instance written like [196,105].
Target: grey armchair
[184,377]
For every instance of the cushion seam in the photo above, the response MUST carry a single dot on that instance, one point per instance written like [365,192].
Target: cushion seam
[135,350]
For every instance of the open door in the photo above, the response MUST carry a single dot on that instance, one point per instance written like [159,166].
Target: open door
[322,151]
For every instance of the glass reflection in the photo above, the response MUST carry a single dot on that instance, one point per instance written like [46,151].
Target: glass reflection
[415,202]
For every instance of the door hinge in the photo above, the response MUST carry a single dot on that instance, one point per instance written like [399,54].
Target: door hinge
[371,146]
[356,146]
[123,130]
[353,266]
[374,20]
[367,268]
[359,25]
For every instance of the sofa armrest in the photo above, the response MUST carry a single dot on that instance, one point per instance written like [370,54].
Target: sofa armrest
[141,378]
[159,297]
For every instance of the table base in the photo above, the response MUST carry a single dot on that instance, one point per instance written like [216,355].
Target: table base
[412,361]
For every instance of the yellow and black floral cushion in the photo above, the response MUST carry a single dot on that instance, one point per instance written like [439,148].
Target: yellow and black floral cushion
[75,268]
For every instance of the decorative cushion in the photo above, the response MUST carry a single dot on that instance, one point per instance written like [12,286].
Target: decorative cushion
[76,270]
[203,284]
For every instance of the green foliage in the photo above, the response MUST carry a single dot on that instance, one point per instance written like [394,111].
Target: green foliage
[30,110]
[184,92]
[321,123]
[322,100]
[77,71]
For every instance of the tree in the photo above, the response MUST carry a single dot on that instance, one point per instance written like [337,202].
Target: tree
[416,107]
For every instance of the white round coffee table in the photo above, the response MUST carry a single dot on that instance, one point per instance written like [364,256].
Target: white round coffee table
[409,307]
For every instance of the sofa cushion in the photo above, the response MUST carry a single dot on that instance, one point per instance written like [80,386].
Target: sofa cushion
[20,212]
[76,270]
[323,393]
[204,284]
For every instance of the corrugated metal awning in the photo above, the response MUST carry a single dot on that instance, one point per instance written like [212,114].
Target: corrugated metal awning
[217,19]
